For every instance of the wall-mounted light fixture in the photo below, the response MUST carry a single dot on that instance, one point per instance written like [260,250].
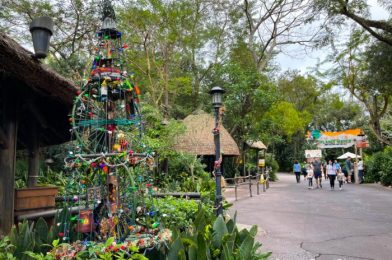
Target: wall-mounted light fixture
[41,29]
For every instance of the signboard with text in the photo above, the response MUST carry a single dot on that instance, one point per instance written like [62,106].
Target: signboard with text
[341,139]
[313,154]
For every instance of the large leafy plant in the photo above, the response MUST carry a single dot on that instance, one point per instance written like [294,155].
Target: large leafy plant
[221,240]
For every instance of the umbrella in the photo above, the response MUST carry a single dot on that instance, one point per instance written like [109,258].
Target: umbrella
[348,154]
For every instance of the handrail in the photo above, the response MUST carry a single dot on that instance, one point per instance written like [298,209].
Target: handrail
[46,213]
[248,181]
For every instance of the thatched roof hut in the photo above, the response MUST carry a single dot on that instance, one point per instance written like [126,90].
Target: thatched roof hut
[34,107]
[41,94]
[198,138]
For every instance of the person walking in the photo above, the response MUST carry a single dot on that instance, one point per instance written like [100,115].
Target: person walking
[317,169]
[331,172]
[309,176]
[360,171]
[304,169]
[348,169]
[337,166]
[324,169]
[297,171]
[340,176]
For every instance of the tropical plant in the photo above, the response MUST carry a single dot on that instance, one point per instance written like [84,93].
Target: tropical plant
[7,249]
[221,240]
[23,238]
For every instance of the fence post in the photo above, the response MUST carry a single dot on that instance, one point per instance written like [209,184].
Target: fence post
[235,187]
[267,180]
[250,184]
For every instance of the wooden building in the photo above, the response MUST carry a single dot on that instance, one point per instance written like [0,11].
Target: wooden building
[34,107]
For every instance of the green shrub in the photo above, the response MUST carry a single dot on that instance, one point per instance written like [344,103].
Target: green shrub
[177,212]
[271,162]
[378,167]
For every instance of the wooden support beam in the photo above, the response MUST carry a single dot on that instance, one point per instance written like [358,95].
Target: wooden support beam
[33,150]
[3,139]
[9,124]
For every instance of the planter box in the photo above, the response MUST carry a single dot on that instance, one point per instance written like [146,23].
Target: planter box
[28,200]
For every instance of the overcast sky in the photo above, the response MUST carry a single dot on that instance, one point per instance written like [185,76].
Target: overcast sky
[296,58]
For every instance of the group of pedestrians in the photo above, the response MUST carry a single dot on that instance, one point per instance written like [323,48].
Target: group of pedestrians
[315,170]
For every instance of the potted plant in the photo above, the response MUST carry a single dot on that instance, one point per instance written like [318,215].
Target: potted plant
[28,200]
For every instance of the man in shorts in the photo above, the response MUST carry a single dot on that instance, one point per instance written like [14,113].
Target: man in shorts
[317,168]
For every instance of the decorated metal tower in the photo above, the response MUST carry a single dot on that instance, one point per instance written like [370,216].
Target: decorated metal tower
[110,167]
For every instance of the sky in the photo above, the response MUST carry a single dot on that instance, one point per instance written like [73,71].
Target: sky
[296,58]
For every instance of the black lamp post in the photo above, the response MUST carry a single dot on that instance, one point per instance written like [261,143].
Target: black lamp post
[41,29]
[216,93]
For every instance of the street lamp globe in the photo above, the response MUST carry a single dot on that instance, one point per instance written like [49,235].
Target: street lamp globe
[41,29]
[216,93]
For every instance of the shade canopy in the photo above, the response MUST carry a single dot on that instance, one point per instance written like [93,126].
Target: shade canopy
[348,154]
[258,145]
[198,138]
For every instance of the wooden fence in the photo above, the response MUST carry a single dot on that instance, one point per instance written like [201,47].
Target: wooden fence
[235,182]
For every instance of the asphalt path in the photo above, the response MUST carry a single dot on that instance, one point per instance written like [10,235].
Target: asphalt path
[297,223]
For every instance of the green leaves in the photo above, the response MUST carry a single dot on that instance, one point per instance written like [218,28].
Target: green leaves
[6,249]
[177,250]
[220,230]
[221,241]
[286,119]
[22,237]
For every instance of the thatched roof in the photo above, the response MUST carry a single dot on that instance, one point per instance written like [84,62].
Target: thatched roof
[198,138]
[258,145]
[42,94]
[17,62]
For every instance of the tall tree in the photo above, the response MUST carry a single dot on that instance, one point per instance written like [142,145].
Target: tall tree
[358,11]
[170,42]
[364,68]
[272,24]
[75,23]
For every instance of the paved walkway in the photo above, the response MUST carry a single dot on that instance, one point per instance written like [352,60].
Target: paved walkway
[297,223]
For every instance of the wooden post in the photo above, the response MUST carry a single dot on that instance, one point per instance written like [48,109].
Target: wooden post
[9,126]
[243,158]
[235,187]
[33,150]
[250,183]
[356,164]
[257,172]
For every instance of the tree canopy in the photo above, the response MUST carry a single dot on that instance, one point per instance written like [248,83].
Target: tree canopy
[179,49]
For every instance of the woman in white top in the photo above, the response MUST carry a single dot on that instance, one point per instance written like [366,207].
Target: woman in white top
[331,172]
[360,171]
